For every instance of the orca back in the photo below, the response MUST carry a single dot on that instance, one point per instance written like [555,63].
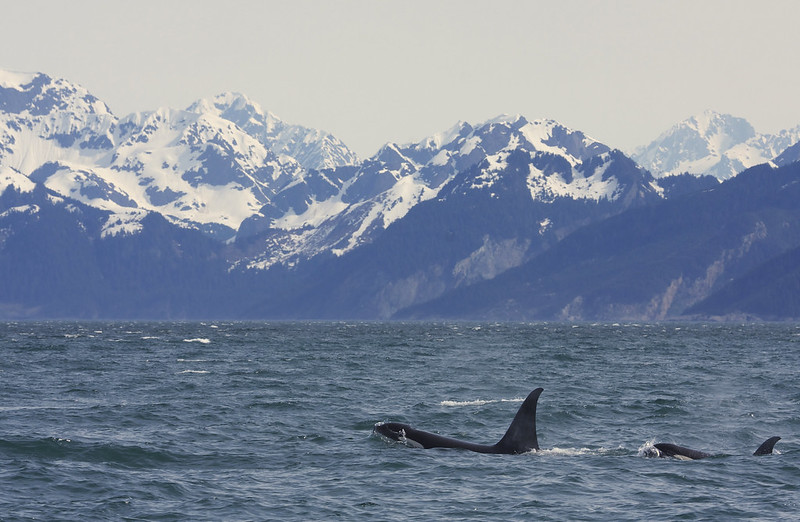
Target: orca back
[671,450]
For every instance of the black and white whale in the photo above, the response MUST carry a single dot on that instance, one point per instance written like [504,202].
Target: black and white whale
[520,437]
[671,450]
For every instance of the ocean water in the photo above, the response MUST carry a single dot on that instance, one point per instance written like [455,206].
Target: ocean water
[261,421]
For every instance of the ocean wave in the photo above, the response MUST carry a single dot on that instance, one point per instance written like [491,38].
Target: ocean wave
[201,340]
[570,452]
[56,448]
[478,402]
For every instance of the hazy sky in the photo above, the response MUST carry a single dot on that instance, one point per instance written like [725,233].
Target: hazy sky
[374,71]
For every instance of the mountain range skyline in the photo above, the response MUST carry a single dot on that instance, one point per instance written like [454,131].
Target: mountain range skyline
[226,166]
[279,220]
[241,105]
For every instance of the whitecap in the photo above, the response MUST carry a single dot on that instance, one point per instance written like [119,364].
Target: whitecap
[478,402]
[201,340]
[568,452]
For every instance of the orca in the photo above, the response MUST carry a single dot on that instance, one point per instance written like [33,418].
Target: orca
[520,437]
[679,452]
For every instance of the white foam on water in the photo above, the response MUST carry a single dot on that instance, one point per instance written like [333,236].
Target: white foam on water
[648,449]
[569,452]
[478,402]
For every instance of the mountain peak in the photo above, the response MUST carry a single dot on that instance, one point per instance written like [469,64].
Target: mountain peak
[707,143]
[722,131]
[238,108]
[508,119]
[16,80]
[38,94]
[312,148]
[440,139]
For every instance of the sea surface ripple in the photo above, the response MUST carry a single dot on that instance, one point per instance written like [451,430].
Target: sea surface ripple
[260,421]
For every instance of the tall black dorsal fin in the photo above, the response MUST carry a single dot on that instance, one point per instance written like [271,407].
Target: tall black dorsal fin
[521,435]
[766,447]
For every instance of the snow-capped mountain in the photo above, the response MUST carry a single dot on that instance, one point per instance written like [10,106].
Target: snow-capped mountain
[532,184]
[287,193]
[312,148]
[195,167]
[711,143]
[562,163]
[44,120]
[227,167]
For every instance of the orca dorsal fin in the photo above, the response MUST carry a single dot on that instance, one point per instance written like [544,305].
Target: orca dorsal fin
[521,435]
[766,447]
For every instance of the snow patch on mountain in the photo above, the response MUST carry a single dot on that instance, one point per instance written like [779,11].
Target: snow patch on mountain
[22,209]
[123,222]
[10,177]
[388,207]
[574,183]
[316,213]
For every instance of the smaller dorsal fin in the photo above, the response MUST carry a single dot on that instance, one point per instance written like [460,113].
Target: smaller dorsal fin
[766,447]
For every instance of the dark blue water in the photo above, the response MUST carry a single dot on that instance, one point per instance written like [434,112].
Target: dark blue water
[257,421]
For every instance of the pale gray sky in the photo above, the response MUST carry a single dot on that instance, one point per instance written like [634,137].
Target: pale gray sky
[372,71]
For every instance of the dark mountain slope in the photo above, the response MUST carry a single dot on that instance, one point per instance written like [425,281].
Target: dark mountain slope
[56,263]
[646,263]
[46,257]
[770,291]
[474,230]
